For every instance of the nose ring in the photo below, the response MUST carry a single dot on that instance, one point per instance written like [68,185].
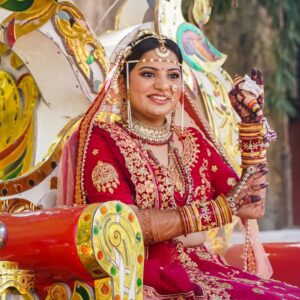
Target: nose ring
[173,89]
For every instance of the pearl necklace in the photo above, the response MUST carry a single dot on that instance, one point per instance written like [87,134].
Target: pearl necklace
[153,135]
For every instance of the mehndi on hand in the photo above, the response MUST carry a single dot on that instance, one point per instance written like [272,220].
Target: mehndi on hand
[247,99]
[246,191]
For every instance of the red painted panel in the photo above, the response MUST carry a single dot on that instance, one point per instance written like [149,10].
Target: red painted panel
[44,241]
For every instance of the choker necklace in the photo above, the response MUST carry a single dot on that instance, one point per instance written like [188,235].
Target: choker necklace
[150,134]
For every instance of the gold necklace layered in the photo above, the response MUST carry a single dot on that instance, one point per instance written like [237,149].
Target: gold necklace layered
[150,134]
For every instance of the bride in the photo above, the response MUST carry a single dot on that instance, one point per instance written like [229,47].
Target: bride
[130,148]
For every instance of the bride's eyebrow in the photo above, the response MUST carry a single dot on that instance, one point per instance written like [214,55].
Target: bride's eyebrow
[157,69]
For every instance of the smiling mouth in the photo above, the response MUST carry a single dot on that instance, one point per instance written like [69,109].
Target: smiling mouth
[160,99]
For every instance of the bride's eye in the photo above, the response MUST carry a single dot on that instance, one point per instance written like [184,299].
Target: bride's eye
[148,74]
[174,75]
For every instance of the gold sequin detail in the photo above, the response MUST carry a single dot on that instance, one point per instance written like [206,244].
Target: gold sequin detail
[258,291]
[95,151]
[231,181]
[208,152]
[105,177]
[214,168]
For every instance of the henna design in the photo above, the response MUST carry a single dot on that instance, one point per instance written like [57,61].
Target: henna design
[244,191]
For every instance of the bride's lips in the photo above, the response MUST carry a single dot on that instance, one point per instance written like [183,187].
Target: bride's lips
[159,99]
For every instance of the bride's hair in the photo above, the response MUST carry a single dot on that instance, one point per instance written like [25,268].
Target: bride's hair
[148,42]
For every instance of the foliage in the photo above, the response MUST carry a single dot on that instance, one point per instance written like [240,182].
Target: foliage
[281,86]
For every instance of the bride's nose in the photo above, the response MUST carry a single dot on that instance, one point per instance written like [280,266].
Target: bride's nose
[162,84]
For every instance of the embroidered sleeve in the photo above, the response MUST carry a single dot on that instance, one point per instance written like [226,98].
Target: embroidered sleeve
[223,177]
[215,173]
[105,175]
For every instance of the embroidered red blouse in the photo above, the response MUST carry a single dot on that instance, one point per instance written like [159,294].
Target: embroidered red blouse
[117,167]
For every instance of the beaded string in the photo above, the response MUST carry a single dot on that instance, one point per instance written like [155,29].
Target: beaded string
[246,246]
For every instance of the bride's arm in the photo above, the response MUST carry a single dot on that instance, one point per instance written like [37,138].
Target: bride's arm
[163,225]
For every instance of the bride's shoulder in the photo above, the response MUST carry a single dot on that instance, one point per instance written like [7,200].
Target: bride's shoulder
[189,132]
[110,130]
[106,126]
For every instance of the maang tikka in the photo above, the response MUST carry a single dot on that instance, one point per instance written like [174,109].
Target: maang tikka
[162,51]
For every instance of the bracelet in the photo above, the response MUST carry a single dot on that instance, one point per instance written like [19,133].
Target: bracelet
[191,218]
[205,216]
[249,134]
[225,208]
[250,170]
[231,201]
[258,154]
[247,163]
[197,217]
[184,220]
[217,212]
[251,146]
[250,126]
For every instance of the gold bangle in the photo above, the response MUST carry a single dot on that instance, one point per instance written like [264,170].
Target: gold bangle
[192,221]
[219,213]
[184,220]
[261,153]
[197,217]
[216,212]
[249,134]
[226,207]
[253,161]
[250,126]
[223,209]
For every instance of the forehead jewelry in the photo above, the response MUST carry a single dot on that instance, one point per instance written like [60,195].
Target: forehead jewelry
[162,51]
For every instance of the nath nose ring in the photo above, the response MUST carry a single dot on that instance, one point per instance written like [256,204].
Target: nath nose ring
[173,89]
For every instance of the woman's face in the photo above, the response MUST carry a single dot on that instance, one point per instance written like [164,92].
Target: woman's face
[155,88]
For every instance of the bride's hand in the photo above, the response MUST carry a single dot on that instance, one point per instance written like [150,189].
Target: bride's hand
[252,210]
[247,97]
[249,189]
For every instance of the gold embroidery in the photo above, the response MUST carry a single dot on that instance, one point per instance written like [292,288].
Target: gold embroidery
[105,177]
[231,181]
[178,181]
[189,158]
[190,147]
[200,191]
[141,175]
[214,168]
[95,151]
[212,286]
[258,291]
[208,152]
[166,187]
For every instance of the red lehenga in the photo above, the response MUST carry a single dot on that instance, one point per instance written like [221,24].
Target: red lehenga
[112,165]
[118,167]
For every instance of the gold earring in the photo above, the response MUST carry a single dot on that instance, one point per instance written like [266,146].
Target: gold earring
[129,115]
[172,123]
[182,108]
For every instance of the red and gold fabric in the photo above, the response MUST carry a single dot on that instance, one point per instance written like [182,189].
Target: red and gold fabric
[171,269]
